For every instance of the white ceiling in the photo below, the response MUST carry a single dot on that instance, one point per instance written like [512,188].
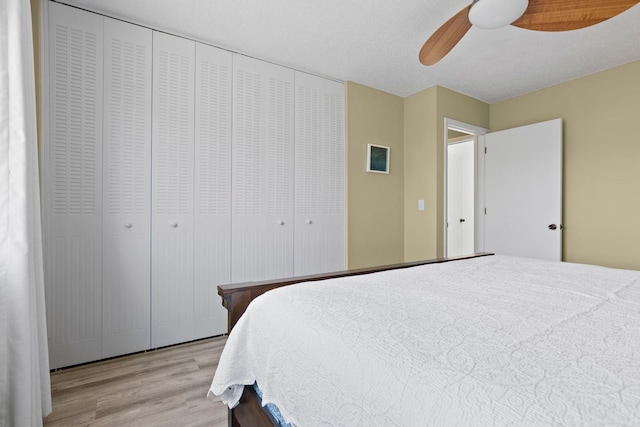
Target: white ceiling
[376,42]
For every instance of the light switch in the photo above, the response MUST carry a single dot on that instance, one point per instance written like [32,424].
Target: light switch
[420,205]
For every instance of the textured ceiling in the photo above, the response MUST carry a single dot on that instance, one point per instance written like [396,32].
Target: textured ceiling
[376,42]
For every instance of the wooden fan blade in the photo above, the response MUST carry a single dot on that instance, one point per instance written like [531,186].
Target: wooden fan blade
[445,38]
[565,15]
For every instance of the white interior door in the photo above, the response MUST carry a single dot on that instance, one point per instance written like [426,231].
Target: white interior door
[523,191]
[460,197]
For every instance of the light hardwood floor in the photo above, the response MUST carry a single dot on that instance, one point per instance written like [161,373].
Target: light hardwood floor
[165,387]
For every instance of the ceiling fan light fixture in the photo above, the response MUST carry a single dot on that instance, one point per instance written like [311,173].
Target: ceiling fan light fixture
[490,14]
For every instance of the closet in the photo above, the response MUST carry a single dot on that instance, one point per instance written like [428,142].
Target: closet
[169,167]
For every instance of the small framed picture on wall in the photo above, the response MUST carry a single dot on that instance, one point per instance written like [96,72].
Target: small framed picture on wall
[378,158]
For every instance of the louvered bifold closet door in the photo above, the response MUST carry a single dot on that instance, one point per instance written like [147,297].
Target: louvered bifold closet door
[319,176]
[172,167]
[72,187]
[262,218]
[212,214]
[127,188]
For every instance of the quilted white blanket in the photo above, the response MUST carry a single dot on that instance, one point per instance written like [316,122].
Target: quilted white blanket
[492,341]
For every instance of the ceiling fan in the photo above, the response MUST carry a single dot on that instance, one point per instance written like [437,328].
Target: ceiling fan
[540,15]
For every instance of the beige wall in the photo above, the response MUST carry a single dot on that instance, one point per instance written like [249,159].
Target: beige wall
[420,175]
[601,160]
[424,115]
[601,164]
[374,201]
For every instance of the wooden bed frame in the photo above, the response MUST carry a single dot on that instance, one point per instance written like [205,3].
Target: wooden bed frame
[236,297]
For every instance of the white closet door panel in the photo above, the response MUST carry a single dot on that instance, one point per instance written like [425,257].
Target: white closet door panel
[73,295]
[320,247]
[127,189]
[262,207]
[212,261]
[319,176]
[261,250]
[172,290]
[212,214]
[75,145]
[172,190]
[72,187]
[125,294]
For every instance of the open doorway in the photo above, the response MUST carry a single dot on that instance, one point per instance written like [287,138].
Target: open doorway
[463,188]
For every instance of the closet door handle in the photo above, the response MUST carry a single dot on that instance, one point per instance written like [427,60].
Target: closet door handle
[174,224]
[128,225]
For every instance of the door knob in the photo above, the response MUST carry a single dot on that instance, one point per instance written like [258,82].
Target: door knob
[462,220]
[552,226]
[174,224]
[128,225]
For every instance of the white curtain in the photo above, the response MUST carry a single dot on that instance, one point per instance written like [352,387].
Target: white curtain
[25,389]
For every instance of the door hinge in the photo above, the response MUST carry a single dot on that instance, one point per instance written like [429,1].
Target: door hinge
[485,150]
[485,211]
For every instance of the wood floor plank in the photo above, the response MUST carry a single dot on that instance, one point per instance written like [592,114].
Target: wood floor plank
[166,387]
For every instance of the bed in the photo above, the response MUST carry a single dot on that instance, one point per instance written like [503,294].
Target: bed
[473,341]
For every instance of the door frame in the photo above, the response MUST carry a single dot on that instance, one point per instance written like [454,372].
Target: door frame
[452,124]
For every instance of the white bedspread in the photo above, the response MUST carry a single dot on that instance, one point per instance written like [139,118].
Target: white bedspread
[492,341]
